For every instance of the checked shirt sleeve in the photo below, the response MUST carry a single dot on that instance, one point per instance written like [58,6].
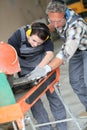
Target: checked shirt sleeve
[73,37]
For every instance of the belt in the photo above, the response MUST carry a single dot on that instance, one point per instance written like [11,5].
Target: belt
[78,50]
[81,50]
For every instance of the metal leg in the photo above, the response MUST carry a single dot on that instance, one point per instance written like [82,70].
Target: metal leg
[28,119]
[23,124]
[15,125]
[73,118]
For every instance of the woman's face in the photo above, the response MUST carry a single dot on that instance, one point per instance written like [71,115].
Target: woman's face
[34,40]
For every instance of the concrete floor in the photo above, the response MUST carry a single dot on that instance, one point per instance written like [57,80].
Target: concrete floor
[69,97]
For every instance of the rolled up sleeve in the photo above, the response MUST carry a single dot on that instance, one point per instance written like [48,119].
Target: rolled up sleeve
[73,38]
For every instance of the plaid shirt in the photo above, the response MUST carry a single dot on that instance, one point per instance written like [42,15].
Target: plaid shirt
[74,35]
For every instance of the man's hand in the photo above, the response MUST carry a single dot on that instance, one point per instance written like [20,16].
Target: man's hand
[38,72]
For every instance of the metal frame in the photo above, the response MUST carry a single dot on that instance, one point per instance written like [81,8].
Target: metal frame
[21,107]
[72,117]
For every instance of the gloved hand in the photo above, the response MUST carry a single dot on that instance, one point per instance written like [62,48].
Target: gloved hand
[38,72]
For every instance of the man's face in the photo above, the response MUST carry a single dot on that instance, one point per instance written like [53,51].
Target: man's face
[56,19]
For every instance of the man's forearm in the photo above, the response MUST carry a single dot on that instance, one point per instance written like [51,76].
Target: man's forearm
[56,62]
[47,58]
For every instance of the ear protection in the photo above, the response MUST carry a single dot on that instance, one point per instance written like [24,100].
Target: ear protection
[47,37]
[28,32]
[67,13]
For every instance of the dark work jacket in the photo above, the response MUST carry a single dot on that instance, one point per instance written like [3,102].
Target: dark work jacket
[30,57]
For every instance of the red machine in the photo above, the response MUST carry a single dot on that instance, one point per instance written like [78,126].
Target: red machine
[17,111]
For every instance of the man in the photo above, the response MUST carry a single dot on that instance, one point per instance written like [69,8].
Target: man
[33,52]
[73,30]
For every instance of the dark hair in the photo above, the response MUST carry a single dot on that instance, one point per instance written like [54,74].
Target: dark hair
[41,30]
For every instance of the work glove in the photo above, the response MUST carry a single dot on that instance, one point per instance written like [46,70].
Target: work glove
[38,72]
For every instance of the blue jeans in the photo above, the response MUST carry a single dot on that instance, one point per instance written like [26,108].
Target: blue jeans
[78,75]
[57,109]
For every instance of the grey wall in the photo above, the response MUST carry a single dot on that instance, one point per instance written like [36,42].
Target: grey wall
[16,13]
